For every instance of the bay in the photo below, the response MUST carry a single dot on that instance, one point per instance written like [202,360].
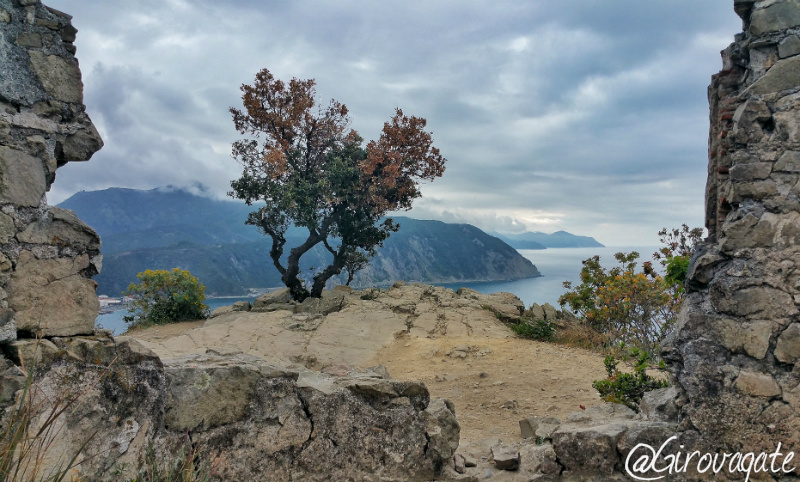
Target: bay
[113,321]
[555,264]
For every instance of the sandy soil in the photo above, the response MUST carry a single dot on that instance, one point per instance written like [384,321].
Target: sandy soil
[498,382]
[493,383]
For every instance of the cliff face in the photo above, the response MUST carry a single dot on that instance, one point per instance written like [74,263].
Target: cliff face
[738,340]
[47,255]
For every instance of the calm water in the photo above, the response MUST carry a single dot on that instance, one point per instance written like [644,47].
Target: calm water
[556,265]
[113,321]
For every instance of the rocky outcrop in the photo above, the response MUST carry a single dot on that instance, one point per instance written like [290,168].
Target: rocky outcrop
[736,344]
[47,255]
[250,419]
[345,325]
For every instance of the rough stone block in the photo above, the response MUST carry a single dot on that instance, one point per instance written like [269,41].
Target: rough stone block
[789,47]
[80,145]
[659,405]
[505,457]
[787,349]
[61,228]
[52,296]
[7,228]
[588,450]
[743,8]
[8,328]
[442,428]
[757,384]
[29,40]
[751,172]
[780,15]
[752,190]
[201,406]
[768,303]
[538,427]
[550,312]
[749,337]
[32,352]
[782,76]
[788,162]
[265,302]
[60,77]
[22,178]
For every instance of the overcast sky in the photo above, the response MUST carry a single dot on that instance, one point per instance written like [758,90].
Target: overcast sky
[583,115]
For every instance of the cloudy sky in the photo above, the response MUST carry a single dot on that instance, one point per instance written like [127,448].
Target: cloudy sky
[584,115]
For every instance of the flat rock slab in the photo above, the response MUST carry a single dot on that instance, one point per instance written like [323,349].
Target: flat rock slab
[350,336]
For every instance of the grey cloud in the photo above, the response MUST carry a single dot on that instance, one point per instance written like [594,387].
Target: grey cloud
[578,114]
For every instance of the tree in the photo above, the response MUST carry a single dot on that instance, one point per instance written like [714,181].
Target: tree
[312,172]
[163,296]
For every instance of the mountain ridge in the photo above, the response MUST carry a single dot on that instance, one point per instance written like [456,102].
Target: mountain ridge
[540,240]
[166,228]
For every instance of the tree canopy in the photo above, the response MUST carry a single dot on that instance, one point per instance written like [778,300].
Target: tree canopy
[311,170]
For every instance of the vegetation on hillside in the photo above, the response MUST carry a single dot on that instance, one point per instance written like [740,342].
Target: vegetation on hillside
[634,307]
[631,306]
[311,171]
[628,388]
[633,310]
[164,296]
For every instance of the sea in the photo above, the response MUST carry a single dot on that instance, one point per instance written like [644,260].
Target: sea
[555,264]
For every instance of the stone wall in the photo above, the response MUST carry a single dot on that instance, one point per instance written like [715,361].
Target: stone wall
[737,345]
[47,255]
[247,418]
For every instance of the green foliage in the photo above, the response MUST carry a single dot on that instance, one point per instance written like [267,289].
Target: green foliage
[677,268]
[543,330]
[628,388]
[312,171]
[636,308]
[163,296]
[678,248]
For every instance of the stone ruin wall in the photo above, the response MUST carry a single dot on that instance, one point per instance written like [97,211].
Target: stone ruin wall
[737,345]
[47,255]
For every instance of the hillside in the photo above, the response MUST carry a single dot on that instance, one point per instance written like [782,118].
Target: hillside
[166,228]
[539,240]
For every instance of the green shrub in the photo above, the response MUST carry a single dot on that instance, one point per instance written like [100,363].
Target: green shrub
[628,388]
[543,330]
[635,307]
[163,296]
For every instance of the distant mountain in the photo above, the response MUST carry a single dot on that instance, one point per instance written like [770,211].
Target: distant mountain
[538,240]
[167,228]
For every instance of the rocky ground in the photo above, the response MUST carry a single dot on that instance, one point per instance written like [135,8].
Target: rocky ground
[455,343]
